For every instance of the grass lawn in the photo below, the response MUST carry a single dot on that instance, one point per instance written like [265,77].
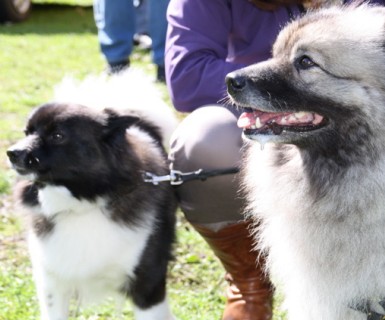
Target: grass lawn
[34,56]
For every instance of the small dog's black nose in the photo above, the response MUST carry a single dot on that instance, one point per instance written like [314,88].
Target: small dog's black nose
[16,155]
[235,82]
[23,159]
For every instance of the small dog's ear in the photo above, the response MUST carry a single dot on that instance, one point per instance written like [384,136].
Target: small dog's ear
[117,123]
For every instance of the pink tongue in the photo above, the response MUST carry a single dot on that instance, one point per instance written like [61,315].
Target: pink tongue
[246,120]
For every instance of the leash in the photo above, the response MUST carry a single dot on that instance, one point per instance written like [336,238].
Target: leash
[177,177]
[366,309]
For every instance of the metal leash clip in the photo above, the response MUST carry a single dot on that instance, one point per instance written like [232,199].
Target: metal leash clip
[178,177]
[175,177]
[149,177]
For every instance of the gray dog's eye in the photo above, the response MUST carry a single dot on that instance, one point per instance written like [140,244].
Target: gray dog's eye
[304,63]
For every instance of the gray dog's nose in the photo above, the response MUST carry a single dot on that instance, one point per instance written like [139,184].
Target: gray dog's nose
[235,83]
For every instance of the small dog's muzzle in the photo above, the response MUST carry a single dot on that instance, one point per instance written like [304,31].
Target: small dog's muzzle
[22,159]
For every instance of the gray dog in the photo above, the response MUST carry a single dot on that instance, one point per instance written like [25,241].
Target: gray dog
[318,190]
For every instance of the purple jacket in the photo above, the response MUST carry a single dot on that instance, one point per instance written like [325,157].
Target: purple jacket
[207,39]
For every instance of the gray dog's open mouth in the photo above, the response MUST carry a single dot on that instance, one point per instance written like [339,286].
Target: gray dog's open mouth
[259,122]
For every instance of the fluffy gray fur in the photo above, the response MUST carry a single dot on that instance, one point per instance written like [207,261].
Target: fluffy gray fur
[320,193]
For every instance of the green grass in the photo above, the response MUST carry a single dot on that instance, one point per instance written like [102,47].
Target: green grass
[34,56]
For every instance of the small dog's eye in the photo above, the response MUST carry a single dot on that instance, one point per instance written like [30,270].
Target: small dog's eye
[29,130]
[57,137]
[305,62]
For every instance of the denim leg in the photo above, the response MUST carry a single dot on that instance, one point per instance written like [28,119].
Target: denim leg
[115,21]
[142,17]
[158,29]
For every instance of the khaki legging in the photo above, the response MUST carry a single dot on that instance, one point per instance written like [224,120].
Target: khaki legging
[207,139]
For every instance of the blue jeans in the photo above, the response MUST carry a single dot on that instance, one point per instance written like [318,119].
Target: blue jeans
[115,20]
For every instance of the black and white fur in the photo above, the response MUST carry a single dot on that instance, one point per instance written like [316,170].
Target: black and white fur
[97,229]
[318,190]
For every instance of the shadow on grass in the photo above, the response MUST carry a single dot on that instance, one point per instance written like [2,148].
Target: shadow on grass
[51,19]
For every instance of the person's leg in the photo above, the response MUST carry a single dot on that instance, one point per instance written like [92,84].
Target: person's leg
[115,21]
[141,36]
[158,29]
[141,16]
[209,139]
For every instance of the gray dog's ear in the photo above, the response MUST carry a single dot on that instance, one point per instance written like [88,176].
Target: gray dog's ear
[117,123]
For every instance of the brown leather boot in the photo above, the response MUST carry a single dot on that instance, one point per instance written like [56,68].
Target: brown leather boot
[249,295]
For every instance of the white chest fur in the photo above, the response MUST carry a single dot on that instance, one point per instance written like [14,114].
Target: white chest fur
[86,249]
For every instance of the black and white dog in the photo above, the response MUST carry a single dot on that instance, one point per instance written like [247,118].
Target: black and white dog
[97,228]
